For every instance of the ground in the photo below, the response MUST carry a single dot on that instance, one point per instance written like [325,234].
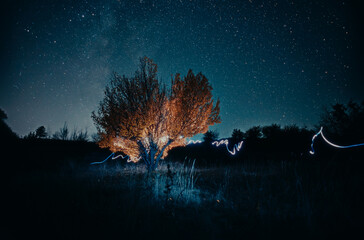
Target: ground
[302,198]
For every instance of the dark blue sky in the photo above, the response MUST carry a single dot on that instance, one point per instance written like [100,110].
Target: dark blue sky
[268,61]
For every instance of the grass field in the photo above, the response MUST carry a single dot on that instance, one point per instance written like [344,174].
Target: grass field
[290,199]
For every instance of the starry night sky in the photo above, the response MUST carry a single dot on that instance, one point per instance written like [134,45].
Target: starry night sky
[268,61]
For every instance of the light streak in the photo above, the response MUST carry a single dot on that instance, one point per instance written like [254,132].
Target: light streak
[112,155]
[194,142]
[236,147]
[330,143]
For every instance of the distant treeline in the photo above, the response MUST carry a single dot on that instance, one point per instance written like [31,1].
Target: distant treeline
[259,142]
[62,134]
[342,123]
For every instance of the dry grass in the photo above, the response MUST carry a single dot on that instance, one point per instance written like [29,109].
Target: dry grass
[296,199]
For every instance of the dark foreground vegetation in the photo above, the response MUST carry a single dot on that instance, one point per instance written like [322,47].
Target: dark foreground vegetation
[271,189]
[53,192]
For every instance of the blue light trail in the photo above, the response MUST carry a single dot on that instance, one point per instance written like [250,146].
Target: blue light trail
[112,155]
[330,143]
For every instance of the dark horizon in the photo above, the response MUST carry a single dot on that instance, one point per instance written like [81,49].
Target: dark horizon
[268,61]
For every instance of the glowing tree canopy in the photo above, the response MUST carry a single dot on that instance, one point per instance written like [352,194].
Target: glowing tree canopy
[139,117]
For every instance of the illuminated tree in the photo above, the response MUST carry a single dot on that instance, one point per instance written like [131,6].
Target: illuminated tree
[140,118]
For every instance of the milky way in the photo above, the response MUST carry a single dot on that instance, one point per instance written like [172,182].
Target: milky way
[268,61]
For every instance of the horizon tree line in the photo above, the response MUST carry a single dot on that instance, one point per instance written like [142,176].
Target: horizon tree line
[339,121]
[62,134]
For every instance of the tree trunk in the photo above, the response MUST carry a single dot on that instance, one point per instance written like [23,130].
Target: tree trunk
[150,158]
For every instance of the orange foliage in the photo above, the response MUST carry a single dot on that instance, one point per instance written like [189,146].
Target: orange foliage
[140,118]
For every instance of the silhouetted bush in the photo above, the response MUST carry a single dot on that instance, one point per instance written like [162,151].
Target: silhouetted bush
[237,136]
[40,132]
[253,133]
[79,135]
[344,124]
[6,134]
[273,131]
[76,135]
[210,136]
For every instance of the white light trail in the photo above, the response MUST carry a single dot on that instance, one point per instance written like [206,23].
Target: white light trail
[236,147]
[330,143]
[194,142]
